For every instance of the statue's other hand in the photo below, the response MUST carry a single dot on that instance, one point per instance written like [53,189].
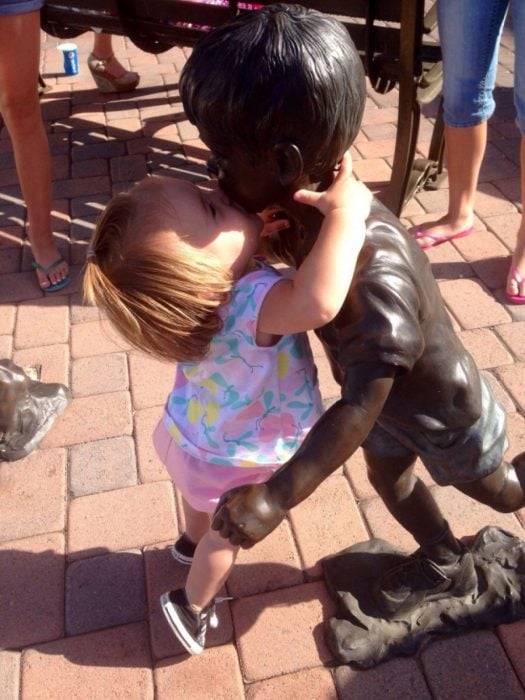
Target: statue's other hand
[247,514]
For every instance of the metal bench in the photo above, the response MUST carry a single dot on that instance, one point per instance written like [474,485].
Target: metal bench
[392,37]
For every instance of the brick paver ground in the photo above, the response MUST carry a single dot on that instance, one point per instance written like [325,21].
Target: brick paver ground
[86,521]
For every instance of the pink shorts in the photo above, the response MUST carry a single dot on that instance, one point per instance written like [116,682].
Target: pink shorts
[201,483]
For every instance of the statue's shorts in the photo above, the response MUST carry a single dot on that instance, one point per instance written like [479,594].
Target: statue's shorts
[451,456]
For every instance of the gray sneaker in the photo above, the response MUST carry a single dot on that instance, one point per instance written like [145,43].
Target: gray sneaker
[190,627]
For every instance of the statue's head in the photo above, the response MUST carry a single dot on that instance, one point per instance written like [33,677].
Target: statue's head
[277,95]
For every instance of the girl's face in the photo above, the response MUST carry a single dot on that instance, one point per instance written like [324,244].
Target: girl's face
[208,220]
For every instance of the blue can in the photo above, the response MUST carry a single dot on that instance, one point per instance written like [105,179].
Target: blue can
[70,55]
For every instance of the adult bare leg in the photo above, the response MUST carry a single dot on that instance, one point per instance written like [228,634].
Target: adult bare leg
[465,148]
[516,277]
[20,107]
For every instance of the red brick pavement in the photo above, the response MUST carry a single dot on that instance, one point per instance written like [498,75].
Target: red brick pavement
[85,522]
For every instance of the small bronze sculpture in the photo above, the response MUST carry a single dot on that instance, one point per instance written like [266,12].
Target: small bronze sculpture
[278,96]
[28,409]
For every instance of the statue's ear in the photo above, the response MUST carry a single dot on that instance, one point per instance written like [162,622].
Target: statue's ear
[288,162]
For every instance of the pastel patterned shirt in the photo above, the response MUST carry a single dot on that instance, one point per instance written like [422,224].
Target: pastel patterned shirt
[245,405]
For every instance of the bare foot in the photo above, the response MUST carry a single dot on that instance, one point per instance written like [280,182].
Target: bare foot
[440,231]
[516,277]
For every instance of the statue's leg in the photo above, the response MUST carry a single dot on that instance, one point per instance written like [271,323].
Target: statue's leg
[483,446]
[411,503]
[503,490]
[442,566]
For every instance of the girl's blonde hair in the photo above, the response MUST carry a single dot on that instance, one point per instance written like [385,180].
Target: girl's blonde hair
[163,303]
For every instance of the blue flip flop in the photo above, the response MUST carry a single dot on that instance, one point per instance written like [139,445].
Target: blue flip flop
[46,270]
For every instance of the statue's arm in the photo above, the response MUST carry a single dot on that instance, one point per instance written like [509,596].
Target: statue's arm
[249,513]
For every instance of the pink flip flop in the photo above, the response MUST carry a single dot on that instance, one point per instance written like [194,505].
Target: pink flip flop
[438,240]
[515,298]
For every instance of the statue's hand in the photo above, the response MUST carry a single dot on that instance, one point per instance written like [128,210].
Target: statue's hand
[247,514]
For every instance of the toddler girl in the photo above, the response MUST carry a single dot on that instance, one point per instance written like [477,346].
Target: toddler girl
[173,266]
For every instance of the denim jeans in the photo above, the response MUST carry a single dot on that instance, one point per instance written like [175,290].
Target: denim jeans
[470,32]
[18,7]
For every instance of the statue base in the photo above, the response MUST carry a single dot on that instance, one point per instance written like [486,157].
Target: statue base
[358,634]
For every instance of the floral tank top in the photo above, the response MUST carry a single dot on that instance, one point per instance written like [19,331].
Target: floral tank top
[245,405]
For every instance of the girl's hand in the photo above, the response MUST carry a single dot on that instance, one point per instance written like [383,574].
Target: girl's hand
[345,192]
[273,221]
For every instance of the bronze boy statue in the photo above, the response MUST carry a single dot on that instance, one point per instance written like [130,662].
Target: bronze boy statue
[278,96]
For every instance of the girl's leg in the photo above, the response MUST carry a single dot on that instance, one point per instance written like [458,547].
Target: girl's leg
[470,32]
[196,523]
[20,107]
[212,563]
[189,611]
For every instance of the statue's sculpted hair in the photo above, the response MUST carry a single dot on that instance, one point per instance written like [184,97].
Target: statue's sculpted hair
[279,74]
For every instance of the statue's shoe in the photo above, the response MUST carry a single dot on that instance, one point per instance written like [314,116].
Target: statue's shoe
[420,580]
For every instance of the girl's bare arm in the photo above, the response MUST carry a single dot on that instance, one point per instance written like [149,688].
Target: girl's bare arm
[317,291]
